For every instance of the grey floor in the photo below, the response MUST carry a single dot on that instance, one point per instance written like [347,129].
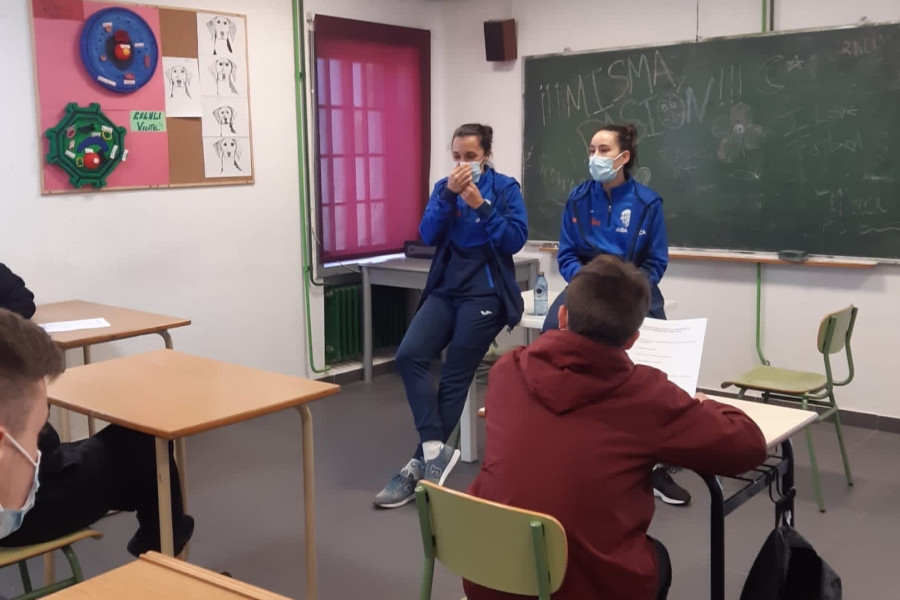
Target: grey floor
[246,496]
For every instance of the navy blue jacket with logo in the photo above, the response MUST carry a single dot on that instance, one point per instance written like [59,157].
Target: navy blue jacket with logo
[627,223]
[499,227]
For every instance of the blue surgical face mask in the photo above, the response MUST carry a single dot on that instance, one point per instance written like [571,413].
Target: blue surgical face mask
[476,171]
[601,168]
[11,520]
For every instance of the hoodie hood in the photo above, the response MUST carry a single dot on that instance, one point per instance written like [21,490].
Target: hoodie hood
[565,371]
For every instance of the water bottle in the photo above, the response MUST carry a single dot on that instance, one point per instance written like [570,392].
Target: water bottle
[540,295]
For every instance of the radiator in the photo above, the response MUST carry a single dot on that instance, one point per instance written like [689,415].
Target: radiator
[343,320]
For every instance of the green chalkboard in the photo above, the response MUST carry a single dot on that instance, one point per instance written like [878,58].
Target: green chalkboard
[767,142]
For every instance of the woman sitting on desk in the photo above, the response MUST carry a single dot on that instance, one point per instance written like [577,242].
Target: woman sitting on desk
[611,213]
[476,218]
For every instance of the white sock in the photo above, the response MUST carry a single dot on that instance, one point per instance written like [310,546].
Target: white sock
[432,449]
[414,466]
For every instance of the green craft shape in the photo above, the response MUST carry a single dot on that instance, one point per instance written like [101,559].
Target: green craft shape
[86,145]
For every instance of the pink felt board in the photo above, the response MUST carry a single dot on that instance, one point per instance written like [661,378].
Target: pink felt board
[72,10]
[62,79]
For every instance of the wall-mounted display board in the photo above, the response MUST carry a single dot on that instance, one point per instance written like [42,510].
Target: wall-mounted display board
[138,96]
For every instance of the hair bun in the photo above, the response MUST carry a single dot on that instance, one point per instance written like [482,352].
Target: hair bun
[631,131]
[487,132]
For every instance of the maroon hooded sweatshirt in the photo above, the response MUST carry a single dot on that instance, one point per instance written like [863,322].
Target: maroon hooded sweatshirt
[574,429]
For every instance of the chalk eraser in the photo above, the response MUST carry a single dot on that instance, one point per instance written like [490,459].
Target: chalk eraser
[797,256]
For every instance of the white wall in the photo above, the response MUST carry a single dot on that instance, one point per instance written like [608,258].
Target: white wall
[226,257]
[793,298]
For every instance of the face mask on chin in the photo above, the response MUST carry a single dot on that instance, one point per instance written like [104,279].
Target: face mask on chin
[11,519]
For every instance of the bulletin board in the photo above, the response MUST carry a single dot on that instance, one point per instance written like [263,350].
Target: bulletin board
[140,96]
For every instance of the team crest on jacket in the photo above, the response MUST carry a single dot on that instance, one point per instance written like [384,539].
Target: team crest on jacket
[626,217]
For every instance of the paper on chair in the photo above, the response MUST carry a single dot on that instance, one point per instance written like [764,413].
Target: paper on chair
[673,347]
[61,326]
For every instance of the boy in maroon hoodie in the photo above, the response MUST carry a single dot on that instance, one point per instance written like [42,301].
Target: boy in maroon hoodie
[574,429]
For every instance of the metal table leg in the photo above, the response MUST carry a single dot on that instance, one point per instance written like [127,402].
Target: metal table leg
[164,497]
[366,323]
[92,424]
[468,423]
[309,502]
[717,537]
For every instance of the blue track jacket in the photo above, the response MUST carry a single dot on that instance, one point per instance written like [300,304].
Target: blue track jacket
[629,225]
[499,226]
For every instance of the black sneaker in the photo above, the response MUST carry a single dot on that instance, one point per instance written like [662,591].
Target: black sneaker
[142,542]
[665,488]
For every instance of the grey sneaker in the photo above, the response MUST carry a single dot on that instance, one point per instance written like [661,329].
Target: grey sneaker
[436,470]
[401,489]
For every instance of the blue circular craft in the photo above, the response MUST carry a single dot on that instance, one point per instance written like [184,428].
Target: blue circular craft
[118,49]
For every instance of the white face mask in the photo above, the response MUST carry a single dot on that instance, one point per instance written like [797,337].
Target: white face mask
[476,170]
[601,167]
[11,520]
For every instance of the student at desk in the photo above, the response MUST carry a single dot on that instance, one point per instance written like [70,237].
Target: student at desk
[74,484]
[611,213]
[476,218]
[574,426]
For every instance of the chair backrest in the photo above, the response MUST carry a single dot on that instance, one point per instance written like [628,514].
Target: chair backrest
[495,546]
[835,330]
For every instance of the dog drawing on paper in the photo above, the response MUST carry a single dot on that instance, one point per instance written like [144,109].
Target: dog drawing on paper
[222,31]
[224,116]
[225,72]
[179,80]
[229,152]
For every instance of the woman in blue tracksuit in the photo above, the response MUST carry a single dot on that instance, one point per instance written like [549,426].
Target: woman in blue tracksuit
[476,219]
[611,213]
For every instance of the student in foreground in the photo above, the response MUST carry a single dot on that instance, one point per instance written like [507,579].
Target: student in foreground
[574,427]
[48,488]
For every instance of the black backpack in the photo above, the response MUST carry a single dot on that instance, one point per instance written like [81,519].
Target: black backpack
[788,568]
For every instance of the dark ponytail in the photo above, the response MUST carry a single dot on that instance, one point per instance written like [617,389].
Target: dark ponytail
[627,138]
[484,133]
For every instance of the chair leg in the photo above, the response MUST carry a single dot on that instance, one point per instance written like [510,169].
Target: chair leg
[73,563]
[840,435]
[741,393]
[26,577]
[817,483]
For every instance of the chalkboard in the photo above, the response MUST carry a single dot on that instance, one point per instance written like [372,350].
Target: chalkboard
[767,142]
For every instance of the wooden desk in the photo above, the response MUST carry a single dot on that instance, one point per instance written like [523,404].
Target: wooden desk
[154,576]
[170,395]
[777,424]
[123,323]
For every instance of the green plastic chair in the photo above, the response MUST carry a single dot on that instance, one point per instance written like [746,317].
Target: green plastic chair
[19,555]
[810,389]
[499,547]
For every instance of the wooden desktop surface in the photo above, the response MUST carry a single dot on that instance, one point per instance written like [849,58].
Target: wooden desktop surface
[169,394]
[154,577]
[124,322]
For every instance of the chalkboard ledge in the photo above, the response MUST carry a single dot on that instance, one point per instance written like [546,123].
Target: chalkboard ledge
[814,260]
[748,256]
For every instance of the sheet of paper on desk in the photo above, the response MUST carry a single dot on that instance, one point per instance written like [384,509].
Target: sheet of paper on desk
[61,326]
[673,347]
